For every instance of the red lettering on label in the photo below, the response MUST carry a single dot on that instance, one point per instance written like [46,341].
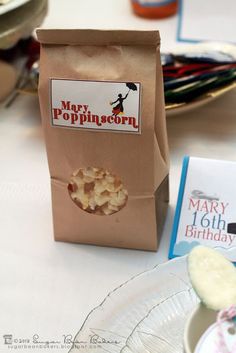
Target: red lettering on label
[74,118]
[117,119]
[124,119]
[66,116]
[65,105]
[56,113]
[82,118]
[110,119]
[132,121]
[103,119]
[80,115]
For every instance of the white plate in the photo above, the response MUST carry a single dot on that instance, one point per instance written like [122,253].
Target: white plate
[145,314]
[13,4]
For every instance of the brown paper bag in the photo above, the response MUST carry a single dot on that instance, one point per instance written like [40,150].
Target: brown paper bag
[102,107]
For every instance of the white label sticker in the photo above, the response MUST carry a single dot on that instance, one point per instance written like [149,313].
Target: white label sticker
[96,105]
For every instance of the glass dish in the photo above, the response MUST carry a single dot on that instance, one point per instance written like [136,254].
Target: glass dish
[20,22]
[145,314]
[11,5]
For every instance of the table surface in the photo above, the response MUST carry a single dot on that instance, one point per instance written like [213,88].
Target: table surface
[49,287]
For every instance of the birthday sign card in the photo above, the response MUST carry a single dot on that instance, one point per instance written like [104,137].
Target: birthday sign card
[206,207]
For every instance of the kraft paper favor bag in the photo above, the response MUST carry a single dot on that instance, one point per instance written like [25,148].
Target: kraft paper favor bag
[102,107]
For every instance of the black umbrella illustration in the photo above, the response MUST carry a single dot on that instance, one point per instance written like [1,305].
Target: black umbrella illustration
[132,86]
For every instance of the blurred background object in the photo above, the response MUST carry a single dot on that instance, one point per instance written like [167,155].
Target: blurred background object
[8,75]
[155,8]
[19,20]
[195,74]
[3,2]
[24,56]
[18,50]
[211,20]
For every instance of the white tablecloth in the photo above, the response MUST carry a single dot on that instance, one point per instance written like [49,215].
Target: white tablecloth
[46,287]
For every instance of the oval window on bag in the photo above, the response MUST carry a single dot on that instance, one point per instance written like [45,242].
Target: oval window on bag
[97,191]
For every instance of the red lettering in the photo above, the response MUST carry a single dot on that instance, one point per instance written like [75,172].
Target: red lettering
[74,118]
[110,119]
[82,118]
[132,121]
[56,113]
[193,204]
[66,116]
[103,119]
[95,119]
[65,105]
[76,108]
[124,119]
[189,231]
[117,119]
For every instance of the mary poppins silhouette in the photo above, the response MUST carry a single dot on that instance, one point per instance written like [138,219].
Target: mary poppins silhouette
[119,108]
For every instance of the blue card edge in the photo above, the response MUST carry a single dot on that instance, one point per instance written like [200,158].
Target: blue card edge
[179,37]
[179,26]
[178,206]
